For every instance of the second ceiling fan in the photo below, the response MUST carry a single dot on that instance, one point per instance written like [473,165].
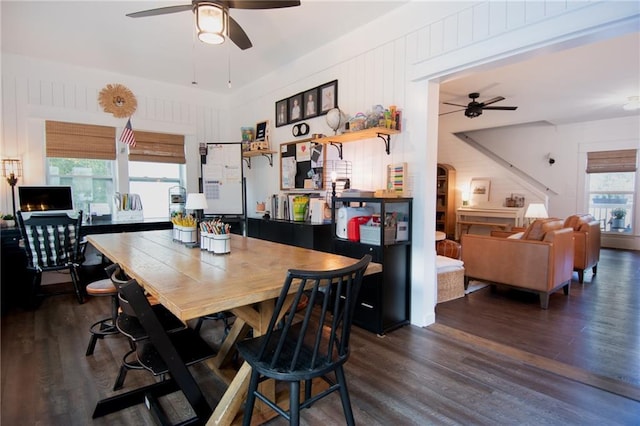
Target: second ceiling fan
[475,108]
[213,22]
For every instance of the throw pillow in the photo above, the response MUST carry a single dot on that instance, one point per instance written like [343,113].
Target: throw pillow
[540,227]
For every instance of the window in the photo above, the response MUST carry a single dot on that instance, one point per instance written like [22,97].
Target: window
[152,182]
[82,156]
[611,182]
[91,181]
[155,165]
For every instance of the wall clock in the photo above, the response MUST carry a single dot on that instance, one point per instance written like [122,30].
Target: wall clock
[300,129]
[118,100]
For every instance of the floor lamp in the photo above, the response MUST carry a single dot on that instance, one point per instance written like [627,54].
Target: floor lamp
[12,170]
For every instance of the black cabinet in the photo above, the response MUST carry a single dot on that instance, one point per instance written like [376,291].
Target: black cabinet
[14,269]
[300,234]
[384,300]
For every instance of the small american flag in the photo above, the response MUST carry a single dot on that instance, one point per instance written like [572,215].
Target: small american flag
[127,135]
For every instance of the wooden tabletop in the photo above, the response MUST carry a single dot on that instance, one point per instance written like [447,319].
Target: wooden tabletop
[191,282]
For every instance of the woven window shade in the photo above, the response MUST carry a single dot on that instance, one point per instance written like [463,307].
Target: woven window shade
[623,160]
[158,148]
[71,140]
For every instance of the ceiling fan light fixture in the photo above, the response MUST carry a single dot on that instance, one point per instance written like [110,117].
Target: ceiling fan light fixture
[212,22]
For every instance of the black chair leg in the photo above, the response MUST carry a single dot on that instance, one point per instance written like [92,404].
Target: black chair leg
[121,376]
[344,396]
[294,403]
[251,399]
[76,285]
[33,292]
[92,344]
[199,324]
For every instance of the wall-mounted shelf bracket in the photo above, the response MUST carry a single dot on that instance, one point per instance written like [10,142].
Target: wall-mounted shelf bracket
[386,138]
[246,156]
[338,146]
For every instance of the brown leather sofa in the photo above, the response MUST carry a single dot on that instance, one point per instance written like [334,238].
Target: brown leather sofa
[541,261]
[586,238]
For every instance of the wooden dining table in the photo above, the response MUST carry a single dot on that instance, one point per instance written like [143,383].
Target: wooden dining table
[192,283]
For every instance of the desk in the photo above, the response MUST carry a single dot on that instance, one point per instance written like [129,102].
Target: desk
[192,283]
[492,217]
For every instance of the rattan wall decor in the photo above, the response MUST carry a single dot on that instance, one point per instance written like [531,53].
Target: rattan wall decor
[118,100]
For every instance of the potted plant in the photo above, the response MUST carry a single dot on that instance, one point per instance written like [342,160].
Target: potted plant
[8,221]
[617,218]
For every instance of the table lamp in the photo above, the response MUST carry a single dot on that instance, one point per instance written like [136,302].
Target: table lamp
[536,211]
[196,202]
[12,170]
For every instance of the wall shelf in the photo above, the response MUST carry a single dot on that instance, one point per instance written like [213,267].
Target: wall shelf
[248,155]
[373,132]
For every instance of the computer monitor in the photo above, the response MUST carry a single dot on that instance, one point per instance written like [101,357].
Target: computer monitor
[45,198]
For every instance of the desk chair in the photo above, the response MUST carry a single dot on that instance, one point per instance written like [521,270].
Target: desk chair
[162,353]
[312,343]
[52,243]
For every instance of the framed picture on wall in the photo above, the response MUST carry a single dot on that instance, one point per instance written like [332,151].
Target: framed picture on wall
[310,101]
[295,108]
[480,188]
[328,96]
[282,115]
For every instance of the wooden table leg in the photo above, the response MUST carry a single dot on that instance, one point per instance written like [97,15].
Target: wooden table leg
[229,406]
[235,395]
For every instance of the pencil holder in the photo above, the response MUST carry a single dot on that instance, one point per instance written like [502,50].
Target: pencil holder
[221,243]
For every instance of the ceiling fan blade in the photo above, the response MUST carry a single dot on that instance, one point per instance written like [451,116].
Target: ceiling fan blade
[458,105]
[505,108]
[494,100]
[237,35]
[261,4]
[160,11]
[451,112]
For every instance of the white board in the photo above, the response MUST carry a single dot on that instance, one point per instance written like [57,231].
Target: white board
[222,179]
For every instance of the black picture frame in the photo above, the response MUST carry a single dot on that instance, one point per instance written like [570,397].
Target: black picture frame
[328,96]
[295,108]
[310,103]
[282,112]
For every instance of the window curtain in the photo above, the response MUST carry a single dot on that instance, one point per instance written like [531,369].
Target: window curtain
[72,140]
[158,148]
[623,160]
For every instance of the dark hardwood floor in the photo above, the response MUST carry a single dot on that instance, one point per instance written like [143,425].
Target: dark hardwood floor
[491,358]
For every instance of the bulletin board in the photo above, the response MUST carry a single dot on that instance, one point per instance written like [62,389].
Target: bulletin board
[222,179]
[301,165]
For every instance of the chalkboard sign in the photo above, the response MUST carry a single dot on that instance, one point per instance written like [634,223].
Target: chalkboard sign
[222,179]
[301,165]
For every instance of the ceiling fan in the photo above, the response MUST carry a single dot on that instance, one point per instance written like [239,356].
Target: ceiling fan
[213,22]
[475,108]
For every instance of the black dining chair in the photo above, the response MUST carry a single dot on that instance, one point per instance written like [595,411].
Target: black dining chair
[308,343]
[163,354]
[128,324]
[52,243]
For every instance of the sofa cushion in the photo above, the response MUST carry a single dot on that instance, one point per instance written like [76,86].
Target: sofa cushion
[577,220]
[537,230]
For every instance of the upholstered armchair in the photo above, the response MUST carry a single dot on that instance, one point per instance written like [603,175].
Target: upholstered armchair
[586,238]
[540,261]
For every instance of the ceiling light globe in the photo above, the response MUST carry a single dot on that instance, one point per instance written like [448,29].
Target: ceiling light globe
[210,38]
